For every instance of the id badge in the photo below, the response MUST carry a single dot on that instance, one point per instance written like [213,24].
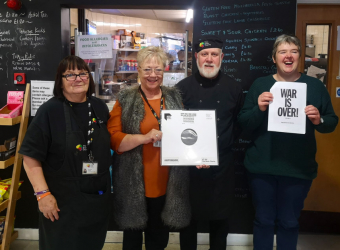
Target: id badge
[157,144]
[90,167]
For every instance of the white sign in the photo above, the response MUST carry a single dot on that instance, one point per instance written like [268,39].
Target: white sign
[41,92]
[287,111]
[189,138]
[95,46]
[171,79]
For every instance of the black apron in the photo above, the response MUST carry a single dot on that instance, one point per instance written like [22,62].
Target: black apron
[84,214]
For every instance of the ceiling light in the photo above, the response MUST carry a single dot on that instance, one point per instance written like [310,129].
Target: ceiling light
[190,14]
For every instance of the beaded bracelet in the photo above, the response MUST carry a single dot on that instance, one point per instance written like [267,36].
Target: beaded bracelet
[44,195]
[42,192]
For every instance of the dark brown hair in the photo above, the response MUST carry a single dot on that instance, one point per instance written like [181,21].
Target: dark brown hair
[71,63]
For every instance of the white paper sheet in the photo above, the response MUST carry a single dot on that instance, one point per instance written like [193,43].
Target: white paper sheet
[189,138]
[287,111]
[95,46]
[41,92]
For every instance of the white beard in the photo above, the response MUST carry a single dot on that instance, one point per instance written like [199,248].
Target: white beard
[208,73]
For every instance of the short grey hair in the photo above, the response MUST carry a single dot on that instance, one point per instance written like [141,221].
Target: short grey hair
[286,39]
[151,52]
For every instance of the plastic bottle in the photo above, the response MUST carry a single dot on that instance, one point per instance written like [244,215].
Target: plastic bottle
[132,64]
[120,64]
[136,66]
[125,65]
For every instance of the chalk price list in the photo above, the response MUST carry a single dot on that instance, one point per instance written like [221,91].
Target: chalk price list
[247,30]
[19,33]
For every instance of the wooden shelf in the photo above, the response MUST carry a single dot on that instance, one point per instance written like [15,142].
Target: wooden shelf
[8,235]
[7,163]
[13,237]
[4,204]
[10,121]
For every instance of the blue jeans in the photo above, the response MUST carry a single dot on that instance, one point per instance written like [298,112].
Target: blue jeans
[278,201]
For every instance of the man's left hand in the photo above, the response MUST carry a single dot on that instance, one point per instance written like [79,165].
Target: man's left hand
[313,114]
[202,166]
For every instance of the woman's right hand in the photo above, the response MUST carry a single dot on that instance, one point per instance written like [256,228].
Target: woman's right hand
[153,136]
[48,206]
[264,99]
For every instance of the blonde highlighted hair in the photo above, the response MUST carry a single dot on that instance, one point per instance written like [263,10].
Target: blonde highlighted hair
[151,52]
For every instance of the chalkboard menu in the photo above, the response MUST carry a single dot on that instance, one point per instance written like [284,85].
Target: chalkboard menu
[248,29]
[28,44]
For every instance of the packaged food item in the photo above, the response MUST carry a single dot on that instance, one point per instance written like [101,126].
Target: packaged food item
[7,150]
[3,190]
[8,182]
[14,105]
[2,226]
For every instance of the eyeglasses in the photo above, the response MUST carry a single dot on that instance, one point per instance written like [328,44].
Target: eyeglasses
[148,71]
[73,77]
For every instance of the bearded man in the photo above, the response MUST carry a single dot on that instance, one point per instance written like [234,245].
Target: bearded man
[212,188]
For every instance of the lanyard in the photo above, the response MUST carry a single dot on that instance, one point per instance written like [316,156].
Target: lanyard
[153,111]
[92,121]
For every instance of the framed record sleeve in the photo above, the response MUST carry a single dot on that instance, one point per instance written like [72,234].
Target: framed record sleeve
[189,138]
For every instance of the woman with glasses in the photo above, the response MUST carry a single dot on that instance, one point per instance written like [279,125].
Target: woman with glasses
[147,196]
[67,158]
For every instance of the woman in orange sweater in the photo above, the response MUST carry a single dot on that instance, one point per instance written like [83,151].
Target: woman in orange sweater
[147,197]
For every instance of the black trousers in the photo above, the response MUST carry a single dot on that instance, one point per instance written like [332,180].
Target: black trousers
[156,233]
[218,232]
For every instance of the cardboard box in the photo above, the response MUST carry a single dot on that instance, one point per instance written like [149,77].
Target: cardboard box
[124,32]
[14,105]
[8,149]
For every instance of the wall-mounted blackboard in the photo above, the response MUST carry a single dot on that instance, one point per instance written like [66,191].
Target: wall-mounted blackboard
[248,29]
[29,43]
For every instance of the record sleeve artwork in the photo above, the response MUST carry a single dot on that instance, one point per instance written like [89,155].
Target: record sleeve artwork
[189,138]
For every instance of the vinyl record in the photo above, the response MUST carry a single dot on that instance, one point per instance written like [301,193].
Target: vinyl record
[189,137]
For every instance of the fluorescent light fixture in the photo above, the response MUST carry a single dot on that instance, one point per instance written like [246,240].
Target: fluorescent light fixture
[190,14]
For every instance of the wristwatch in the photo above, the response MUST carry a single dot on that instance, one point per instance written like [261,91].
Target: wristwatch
[321,120]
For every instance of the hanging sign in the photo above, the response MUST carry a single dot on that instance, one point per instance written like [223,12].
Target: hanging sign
[95,46]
